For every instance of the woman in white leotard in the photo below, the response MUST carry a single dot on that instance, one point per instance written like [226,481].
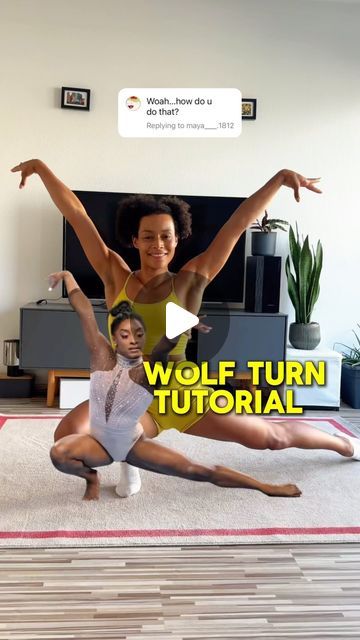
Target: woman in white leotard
[119,395]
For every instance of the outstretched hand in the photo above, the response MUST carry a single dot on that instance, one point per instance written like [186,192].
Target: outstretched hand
[296,180]
[202,327]
[55,278]
[27,169]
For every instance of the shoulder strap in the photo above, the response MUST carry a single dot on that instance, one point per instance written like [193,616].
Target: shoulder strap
[127,279]
[120,295]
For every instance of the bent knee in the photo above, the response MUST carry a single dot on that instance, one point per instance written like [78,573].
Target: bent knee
[59,454]
[277,439]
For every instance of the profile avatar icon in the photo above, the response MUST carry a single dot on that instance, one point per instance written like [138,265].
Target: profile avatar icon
[133,103]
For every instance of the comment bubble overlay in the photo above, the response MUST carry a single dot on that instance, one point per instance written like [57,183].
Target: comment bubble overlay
[179,113]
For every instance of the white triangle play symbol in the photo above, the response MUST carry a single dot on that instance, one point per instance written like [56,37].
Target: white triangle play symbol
[178,320]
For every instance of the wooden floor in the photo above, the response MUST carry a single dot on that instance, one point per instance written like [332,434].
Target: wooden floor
[175,593]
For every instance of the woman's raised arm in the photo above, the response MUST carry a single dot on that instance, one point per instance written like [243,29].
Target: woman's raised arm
[212,260]
[99,347]
[101,258]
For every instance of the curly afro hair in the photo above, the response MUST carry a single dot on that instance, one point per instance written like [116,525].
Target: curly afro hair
[133,208]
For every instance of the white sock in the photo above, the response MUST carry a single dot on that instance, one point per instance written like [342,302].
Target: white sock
[355,444]
[130,481]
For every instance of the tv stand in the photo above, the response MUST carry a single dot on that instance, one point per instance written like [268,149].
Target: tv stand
[241,336]
[51,337]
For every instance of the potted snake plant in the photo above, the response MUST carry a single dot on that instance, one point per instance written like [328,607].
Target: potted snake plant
[304,289]
[350,374]
[263,239]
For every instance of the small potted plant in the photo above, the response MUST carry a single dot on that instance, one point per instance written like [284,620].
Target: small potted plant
[350,374]
[264,243]
[304,289]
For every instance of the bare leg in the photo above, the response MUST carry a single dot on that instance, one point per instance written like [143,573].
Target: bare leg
[77,421]
[76,455]
[153,456]
[256,433]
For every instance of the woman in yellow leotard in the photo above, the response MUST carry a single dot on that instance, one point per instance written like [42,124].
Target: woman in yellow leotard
[154,316]
[155,228]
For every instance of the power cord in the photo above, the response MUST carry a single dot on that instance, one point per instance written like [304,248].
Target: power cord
[46,300]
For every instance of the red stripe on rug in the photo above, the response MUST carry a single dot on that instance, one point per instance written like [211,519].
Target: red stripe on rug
[25,416]
[154,533]
[4,419]
[332,421]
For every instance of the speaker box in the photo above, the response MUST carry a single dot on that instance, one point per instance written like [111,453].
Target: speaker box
[262,293]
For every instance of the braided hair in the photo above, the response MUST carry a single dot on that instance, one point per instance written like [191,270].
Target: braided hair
[124,311]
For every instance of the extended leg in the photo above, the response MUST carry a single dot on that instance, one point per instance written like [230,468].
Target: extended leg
[153,456]
[76,455]
[256,433]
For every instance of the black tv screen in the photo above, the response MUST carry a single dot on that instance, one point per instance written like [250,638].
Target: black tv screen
[209,213]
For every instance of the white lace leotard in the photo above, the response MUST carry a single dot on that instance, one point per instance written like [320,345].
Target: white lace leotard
[116,405]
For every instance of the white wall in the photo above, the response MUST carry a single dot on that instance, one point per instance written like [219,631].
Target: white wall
[299,59]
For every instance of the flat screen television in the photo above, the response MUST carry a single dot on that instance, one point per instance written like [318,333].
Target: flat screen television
[209,213]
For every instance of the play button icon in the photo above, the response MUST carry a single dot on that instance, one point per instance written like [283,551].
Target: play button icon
[178,320]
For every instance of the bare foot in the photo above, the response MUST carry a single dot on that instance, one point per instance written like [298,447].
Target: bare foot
[284,491]
[92,490]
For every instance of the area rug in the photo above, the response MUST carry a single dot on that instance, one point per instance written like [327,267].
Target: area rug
[42,507]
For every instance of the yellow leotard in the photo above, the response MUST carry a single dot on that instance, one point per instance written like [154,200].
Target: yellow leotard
[154,315]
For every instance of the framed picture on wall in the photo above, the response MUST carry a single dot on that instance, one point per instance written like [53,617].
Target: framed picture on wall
[72,98]
[249,108]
